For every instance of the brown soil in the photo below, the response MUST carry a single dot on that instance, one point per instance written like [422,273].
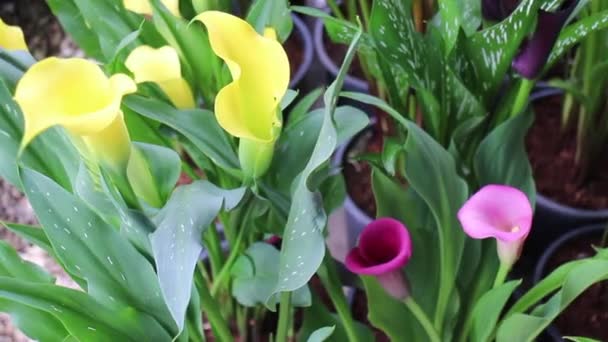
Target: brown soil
[293,47]
[360,314]
[552,154]
[588,314]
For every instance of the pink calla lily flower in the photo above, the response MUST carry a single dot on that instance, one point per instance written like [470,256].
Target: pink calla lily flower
[501,212]
[384,248]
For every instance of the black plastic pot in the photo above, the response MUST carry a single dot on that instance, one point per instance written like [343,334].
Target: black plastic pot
[303,33]
[553,219]
[351,83]
[541,271]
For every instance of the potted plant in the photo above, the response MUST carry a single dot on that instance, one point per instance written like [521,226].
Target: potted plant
[575,197]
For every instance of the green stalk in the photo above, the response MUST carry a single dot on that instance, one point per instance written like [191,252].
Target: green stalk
[225,271]
[214,249]
[422,318]
[351,7]
[521,99]
[335,9]
[363,5]
[212,311]
[329,277]
[501,275]
[284,316]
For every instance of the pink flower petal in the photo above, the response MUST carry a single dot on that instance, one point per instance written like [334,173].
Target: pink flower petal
[384,246]
[497,211]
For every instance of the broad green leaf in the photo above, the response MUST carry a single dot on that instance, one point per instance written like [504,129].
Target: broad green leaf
[75,24]
[11,265]
[34,235]
[321,334]
[36,324]
[153,172]
[93,250]
[303,106]
[298,141]
[176,243]
[470,12]
[491,51]
[488,309]
[303,239]
[199,126]
[451,19]
[254,275]
[573,34]
[526,327]
[82,316]
[501,157]
[275,14]
[431,172]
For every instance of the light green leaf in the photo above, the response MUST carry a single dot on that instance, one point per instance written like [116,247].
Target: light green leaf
[36,324]
[303,239]
[580,339]
[275,14]
[255,275]
[176,243]
[321,334]
[488,308]
[91,249]
[11,265]
[34,235]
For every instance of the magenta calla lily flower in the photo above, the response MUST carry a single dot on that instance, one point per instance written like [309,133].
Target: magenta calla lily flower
[534,53]
[384,248]
[501,212]
[498,10]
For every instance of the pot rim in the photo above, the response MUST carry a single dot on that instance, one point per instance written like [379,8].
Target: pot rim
[541,265]
[307,46]
[328,63]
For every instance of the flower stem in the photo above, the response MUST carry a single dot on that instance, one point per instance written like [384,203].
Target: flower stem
[212,311]
[329,278]
[422,318]
[284,315]
[225,271]
[521,99]
[503,270]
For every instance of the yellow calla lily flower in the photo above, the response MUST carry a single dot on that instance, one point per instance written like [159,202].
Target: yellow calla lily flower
[144,7]
[76,94]
[162,67]
[248,107]
[11,37]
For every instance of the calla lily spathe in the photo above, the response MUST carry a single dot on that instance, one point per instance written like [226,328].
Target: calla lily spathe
[76,94]
[248,107]
[161,66]
[501,212]
[11,37]
[144,7]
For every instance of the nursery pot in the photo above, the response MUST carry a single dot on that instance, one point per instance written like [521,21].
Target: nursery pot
[576,244]
[551,218]
[300,49]
[351,83]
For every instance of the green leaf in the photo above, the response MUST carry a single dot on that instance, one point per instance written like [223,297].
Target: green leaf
[451,18]
[75,24]
[502,159]
[176,243]
[36,324]
[526,327]
[303,239]
[580,339]
[275,14]
[488,308]
[198,125]
[34,235]
[11,265]
[470,11]
[91,249]
[190,41]
[430,171]
[255,275]
[303,106]
[153,172]
[82,316]
[575,33]
[491,51]
[321,334]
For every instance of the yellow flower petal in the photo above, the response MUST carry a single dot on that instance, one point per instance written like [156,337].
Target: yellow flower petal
[73,93]
[161,66]
[11,37]
[247,107]
[144,7]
